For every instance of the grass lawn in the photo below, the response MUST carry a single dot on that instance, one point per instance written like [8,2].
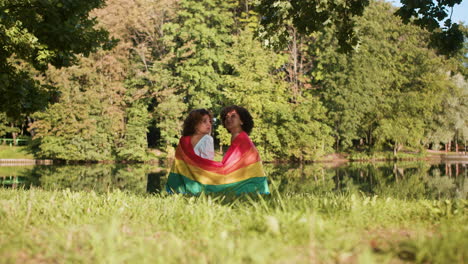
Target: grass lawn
[117,227]
[14,170]
[15,152]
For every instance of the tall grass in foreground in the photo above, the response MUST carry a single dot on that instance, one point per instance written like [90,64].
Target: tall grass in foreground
[118,227]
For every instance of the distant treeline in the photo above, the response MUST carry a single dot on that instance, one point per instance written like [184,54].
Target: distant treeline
[307,98]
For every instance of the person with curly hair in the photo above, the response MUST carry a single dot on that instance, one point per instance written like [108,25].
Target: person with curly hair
[236,119]
[240,171]
[197,126]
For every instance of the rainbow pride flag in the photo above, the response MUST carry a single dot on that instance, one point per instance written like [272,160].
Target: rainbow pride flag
[240,171]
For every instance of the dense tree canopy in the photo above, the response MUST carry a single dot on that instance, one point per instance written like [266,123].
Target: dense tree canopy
[429,15]
[41,33]
[102,111]
[309,16]
[387,90]
[392,90]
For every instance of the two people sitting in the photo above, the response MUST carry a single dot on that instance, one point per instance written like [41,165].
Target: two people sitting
[194,170]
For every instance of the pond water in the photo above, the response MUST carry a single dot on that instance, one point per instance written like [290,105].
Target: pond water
[403,180]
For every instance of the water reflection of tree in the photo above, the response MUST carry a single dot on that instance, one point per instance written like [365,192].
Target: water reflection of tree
[301,179]
[445,184]
[402,180]
[156,181]
[100,178]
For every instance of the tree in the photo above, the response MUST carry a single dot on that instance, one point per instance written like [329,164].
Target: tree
[40,33]
[6,125]
[450,122]
[101,113]
[251,85]
[392,78]
[196,41]
[312,16]
[428,15]
[133,145]
[400,131]
[287,124]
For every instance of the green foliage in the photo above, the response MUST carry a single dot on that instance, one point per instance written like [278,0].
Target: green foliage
[102,110]
[283,130]
[387,90]
[448,39]
[42,33]
[404,131]
[71,131]
[5,127]
[451,119]
[134,144]
[169,106]
[390,91]
[196,41]
[312,16]
[251,85]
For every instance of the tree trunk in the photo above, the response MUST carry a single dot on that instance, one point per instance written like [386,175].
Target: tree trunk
[301,168]
[293,75]
[14,135]
[301,63]
[30,121]
[337,143]
[402,172]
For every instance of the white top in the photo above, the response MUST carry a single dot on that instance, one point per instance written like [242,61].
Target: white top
[205,148]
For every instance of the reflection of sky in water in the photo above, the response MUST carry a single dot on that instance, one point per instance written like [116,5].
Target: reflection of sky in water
[405,180]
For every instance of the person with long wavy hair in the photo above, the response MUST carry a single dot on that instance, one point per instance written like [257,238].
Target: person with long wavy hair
[240,171]
[197,126]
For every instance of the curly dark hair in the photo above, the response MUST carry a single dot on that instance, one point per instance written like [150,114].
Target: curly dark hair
[245,117]
[193,119]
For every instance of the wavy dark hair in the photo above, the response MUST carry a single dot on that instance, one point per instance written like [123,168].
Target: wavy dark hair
[245,117]
[193,119]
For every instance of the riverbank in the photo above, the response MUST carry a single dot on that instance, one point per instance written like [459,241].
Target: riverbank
[24,162]
[339,159]
[118,227]
[15,155]
[22,156]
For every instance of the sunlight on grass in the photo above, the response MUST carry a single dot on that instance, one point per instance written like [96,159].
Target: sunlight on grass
[19,152]
[119,227]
